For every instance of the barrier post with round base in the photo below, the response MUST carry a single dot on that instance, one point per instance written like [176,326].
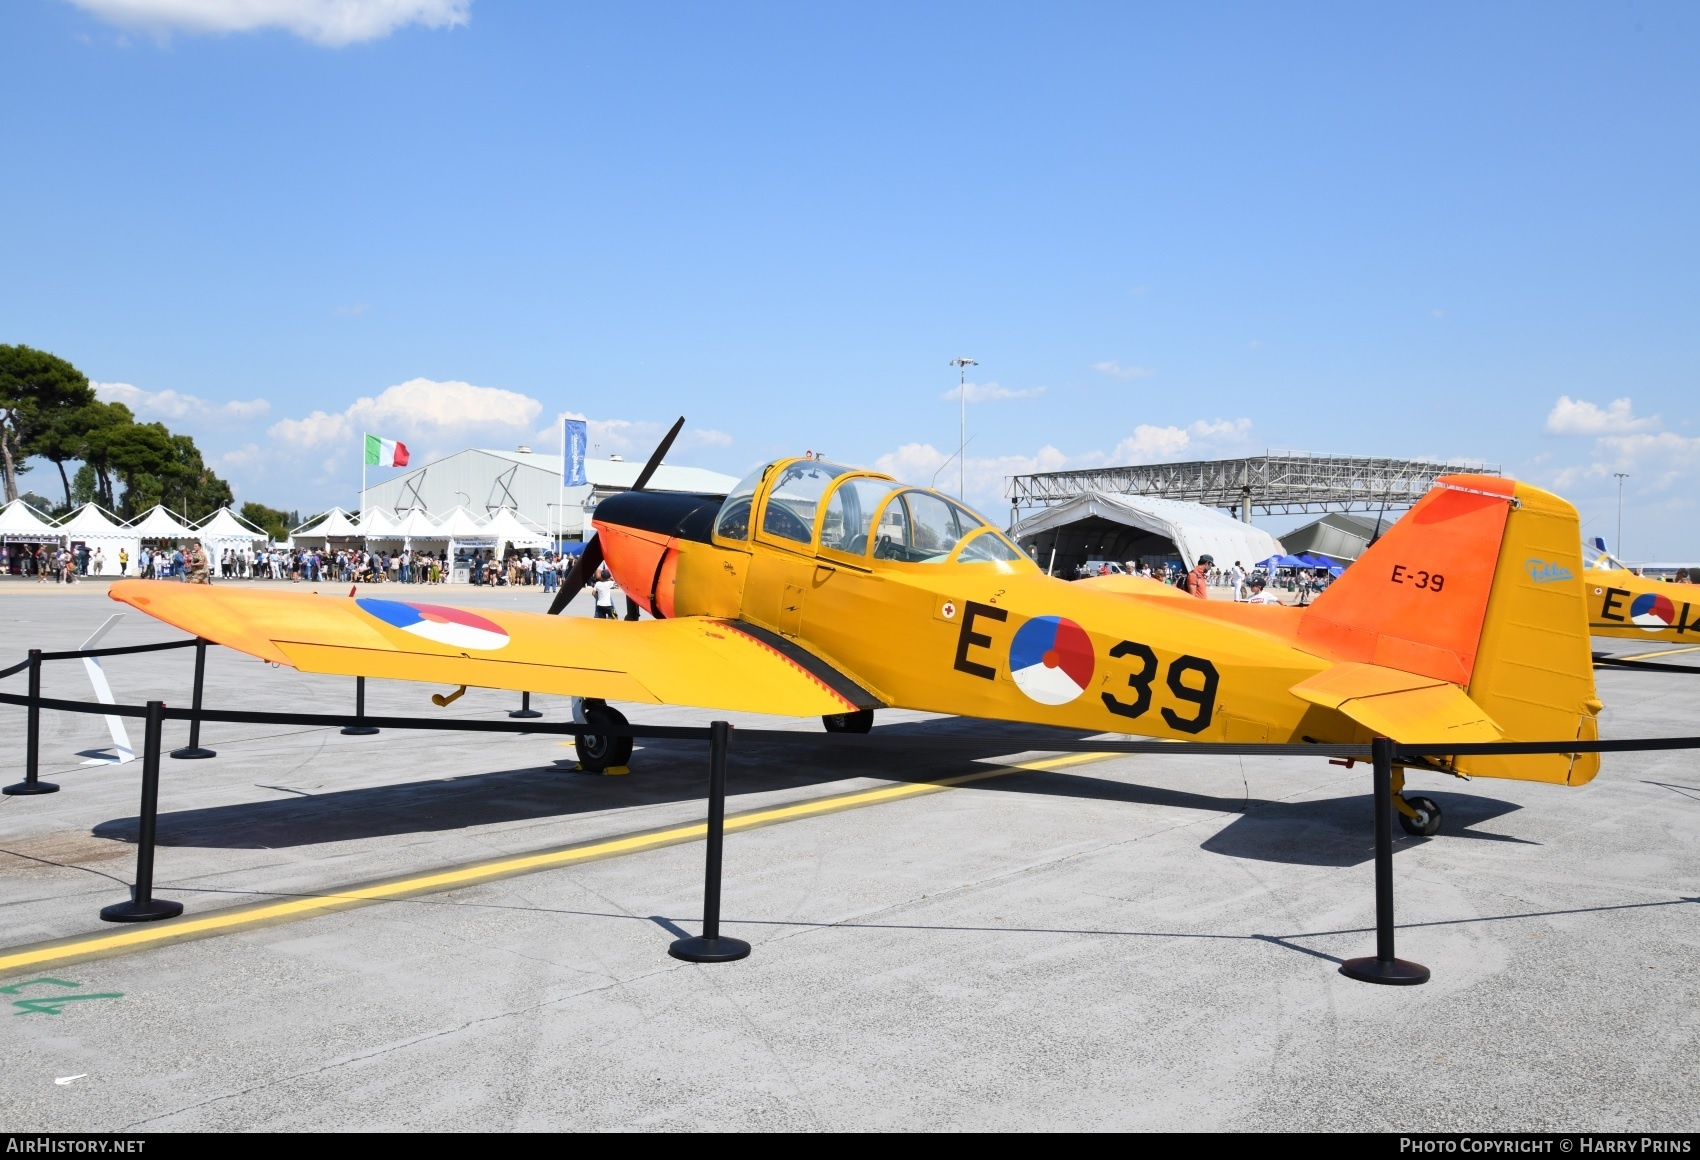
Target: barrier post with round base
[711,946]
[193,750]
[32,738]
[143,906]
[1385,967]
[359,711]
[525,709]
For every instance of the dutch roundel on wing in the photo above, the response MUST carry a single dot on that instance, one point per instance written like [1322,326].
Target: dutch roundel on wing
[455,627]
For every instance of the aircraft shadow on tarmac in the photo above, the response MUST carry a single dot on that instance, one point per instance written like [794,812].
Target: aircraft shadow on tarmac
[1331,832]
[664,771]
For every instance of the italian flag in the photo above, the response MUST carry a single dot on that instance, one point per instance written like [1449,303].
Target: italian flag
[385,452]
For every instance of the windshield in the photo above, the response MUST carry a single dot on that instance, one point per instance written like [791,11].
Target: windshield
[988,547]
[734,520]
[922,528]
[791,502]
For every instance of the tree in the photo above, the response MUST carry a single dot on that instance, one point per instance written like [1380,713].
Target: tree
[36,389]
[273,522]
[78,434]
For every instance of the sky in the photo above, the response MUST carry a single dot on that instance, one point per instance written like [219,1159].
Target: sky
[1465,231]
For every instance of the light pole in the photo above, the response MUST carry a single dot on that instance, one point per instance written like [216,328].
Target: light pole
[962,365]
[1618,544]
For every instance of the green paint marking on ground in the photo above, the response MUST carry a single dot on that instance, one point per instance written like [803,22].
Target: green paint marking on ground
[55,1005]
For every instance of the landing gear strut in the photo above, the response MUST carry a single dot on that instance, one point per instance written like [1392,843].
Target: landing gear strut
[1418,816]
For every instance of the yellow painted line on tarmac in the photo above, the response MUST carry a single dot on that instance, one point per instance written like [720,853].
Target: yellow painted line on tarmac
[1661,653]
[142,937]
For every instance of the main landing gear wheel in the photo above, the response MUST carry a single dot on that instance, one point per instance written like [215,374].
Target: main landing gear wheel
[860,721]
[597,752]
[1427,822]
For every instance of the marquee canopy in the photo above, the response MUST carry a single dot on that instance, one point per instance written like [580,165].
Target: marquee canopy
[160,524]
[225,525]
[1193,529]
[334,523]
[89,522]
[19,521]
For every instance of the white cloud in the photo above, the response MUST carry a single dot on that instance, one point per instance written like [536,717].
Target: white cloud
[333,23]
[355,311]
[1580,417]
[171,404]
[989,393]
[418,408]
[1653,458]
[1116,371]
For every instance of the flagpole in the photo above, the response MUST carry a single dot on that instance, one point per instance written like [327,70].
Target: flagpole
[561,493]
[362,472]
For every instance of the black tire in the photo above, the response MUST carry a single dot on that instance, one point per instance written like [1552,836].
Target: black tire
[860,721]
[598,752]
[1428,825]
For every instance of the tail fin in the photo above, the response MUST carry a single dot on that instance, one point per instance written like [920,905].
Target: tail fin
[1478,585]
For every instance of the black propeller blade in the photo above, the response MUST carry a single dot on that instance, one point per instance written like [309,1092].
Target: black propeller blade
[573,582]
[591,558]
[660,454]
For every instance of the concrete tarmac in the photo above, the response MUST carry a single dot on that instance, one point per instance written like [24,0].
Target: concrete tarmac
[1144,943]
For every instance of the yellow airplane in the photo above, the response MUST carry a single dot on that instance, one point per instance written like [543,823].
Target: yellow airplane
[1622,604]
[818,589]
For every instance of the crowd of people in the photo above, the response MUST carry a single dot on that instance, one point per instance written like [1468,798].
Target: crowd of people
[188,561]
[1250,585]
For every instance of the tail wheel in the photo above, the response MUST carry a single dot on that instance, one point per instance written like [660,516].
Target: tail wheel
[860,721]
[1427,822]
[597,752]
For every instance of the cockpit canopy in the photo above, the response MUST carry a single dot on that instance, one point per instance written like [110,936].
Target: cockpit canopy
[842,511]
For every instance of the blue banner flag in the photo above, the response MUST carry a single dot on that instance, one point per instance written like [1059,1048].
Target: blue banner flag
[576,440]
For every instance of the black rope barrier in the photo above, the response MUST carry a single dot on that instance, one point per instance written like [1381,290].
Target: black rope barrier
[118,650]
[1604,662]
[711,946]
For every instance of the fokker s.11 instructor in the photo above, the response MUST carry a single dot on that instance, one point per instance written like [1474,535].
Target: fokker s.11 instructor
[817,589]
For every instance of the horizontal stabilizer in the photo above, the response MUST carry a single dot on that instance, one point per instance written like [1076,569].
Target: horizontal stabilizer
[1404,706]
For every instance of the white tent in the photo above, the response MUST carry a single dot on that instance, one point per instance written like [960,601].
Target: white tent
[1194,529]
[224,531]
[226,525]
[376,524]
[21,527]
[507,528]
[334,524]
[461,524]
[21,523]
[160,524]
[416,525]
[89,525]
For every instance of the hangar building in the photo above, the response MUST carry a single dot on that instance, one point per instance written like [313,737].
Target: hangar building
[1112,505]
[485,481]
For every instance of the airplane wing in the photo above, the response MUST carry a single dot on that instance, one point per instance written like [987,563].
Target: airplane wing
[1400,705]
[713,664]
